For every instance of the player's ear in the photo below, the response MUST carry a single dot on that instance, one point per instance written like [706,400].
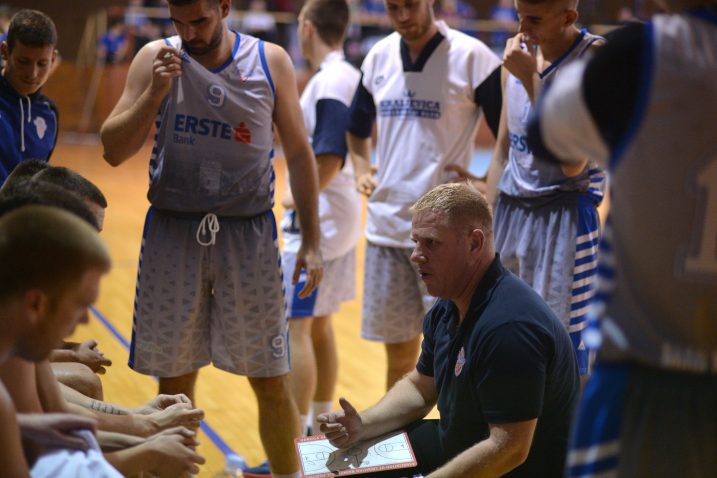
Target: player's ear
[571,17]
[225,7]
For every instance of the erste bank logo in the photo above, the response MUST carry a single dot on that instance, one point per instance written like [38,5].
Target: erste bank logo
[187,128]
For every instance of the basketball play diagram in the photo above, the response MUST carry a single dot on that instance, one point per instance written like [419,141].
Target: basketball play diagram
[321,459]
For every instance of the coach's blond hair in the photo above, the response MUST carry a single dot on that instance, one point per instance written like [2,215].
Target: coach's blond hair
[461,202]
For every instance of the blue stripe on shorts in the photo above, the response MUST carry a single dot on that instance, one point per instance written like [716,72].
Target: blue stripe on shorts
[584,276]
[595,443]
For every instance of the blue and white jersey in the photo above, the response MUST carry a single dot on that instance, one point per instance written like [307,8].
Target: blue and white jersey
[657,292]
[525,175]
[214,144]
[427,117]
[325,104]
[28,127]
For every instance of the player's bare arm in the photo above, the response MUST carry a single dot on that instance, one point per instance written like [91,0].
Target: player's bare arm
[148,82]
[506,447]
[302,166]
[360,150]
[328,166]
[12,459]
[500,153]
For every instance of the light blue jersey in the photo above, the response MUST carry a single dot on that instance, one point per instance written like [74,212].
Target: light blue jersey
[525,175]
[214,142]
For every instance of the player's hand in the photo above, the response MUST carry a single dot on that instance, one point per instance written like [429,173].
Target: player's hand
[173,454]
[161,402]
[178,414]
[54,430]
[366,183]
[308,259]
[342,427]
[87,353]
[166,66]
[521,58]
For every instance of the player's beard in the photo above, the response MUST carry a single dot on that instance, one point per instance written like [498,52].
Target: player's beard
[420,29]
[205,49]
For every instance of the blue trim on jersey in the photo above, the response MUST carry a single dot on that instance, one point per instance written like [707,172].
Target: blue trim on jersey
[237,40]
[560,59]
[590,43]
[264,65]
[408,65]
[704,13]
[595,441]
[644,90]
[332,118]
[362,112]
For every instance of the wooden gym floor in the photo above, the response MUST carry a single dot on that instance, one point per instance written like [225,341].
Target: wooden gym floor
[231,413]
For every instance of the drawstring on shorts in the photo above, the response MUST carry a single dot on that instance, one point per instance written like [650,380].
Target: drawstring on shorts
[210,221]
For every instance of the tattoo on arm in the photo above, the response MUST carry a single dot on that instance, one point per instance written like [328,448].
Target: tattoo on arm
[104,407]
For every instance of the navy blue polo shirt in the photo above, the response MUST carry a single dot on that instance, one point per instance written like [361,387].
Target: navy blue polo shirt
[510,360]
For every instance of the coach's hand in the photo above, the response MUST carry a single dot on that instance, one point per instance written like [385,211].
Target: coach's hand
[342,427]
[309,259]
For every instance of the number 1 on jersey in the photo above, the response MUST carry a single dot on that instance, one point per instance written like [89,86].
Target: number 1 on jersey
[705,260]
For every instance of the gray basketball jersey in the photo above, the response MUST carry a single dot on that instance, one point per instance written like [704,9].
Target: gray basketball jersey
[658,274]
[214,141]
[526,175]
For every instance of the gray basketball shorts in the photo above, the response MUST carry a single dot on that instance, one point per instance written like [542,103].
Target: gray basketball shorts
[552,244]
[395,299]
[222,303]
[337,285]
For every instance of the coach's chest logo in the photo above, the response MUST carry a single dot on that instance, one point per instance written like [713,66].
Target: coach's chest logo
[40,126]
[460,362]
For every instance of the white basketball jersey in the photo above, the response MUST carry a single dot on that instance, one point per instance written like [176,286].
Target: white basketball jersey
[339,203]
[426,120]
[214,139]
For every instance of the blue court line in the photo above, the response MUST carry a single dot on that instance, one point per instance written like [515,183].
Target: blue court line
[208,430]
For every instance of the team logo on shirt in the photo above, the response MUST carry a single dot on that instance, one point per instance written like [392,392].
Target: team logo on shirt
[410,106]
[460,362]
[379,79]
[40,127]
[242,76]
